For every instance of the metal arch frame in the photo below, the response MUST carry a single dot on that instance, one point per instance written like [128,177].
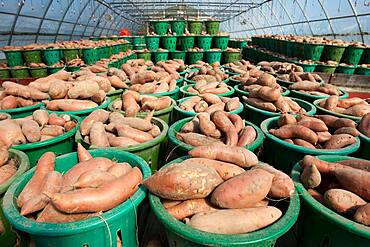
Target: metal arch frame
[266,19]
[42,21]
[357,20]
[79,16]
[277,19]
[305,16]
[87,25]
[327,18]
[289,16]
[62,20]
[14,23]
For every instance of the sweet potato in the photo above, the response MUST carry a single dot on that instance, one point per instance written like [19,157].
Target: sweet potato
[252,186]
[216,107]
[120,141]
[268,94]
[364,125]
[108,196]
[232,104]
[256,102]
[343,201]
[155,131]
[4,155]
[189,208]
[10,133]
[317,126]
[51,215]
[15,89]
[158,104]
[117,82]
[129,104]
[58,89]
[315,194]
[323,136]
[303,143]
[137,123]
[51,184]
[237,121]
[354,180]
[170,203]
[93,179]
[207,127]
[295,131]
[236,155]
[69,125]
[339,141]
[358,164]
[223,123]
[183,181]
[349,102]
[144,77]
[7,171]
[52,130]
[83,90]
[9,102]
[330,103]
[99,97]
[335,122]
[34,186]
[99,115]
[210,98]
[135,134]
[70,105]
[362,215]
[82,153]
[247,136]
[31,131]
[286,119]
[235,221]
[25,102]
[224,169]
[98,136]
[311,177]
[196,140]
[347,130]
[120,169]
[282,185]
[56,120]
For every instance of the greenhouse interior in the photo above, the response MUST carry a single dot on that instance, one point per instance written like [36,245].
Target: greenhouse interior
[185,123]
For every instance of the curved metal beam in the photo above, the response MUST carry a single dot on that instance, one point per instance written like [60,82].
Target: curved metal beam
[62,20]
[15,22]
[357,20]
[87,25]
[42,21]
[305,16]
[277,19]
[327,17]
[289,16]
[79,16]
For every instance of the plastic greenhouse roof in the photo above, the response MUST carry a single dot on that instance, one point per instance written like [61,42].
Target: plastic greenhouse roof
[29,21]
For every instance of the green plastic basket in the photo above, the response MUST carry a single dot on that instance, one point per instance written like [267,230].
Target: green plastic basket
[240,93]
[181,114]
[311,98]
[137,40]
[160,56]
[328,69]
[124,47]
[152,42]
[319,225]
[212,27]
[257,116]
[290,46]
[90,55]
[59,145]
[220,42]
[32,56]
[100,52]
[362,71]
[146,55]
[186,42]
[178,55]
[346,69]
[14,58]
[292,153]
[231,57]
[4,73]
[186,94]
[19,73]
[113,95]
[8,238]
[194,56]
[182,235]
[332,52]
[365,58]
[51,56]
[212,56]
[298,50]
[38,72]
[22,111]
[178,26]
[95,231]
[312,51]
[84,113]
[307,67]
[352,55]
[70,54]
[149,151]
[116,49]
[169,42]
[323,111]
[174,94]
[364,151]
[240,44]
[52,70]
[204,42]
[139,47]
[195,27]
[165,114]
[73,68]
[160,27]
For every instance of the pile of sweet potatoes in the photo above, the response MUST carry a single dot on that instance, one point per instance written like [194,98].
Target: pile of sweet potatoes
[132,103]
[255,79]
[342,186]
[218,127]
[40,126]
[352,106]
[8,166]
[170,66]
[207,72]
[279,67]
[316,132]
[92,186]
[240,67]
[300,76]
[150,82]
[202,86]
[209,103]
[364,125]
[221,189]
[315,88]
[111,129]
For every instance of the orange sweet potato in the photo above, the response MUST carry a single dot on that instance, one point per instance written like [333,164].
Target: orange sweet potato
[10,133]
[135,134]
[9,102]
[362,215]
[295,131]
[196,140]
[98,136]
[4,155]
[343,201]
[82,153]
[311,177]
[52,130]
[189,208]
[207,127]
[31,131]
[223,123]
[7,171]
[339,141]
[354,180]
[99,115]
[247,136]
[93,179]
